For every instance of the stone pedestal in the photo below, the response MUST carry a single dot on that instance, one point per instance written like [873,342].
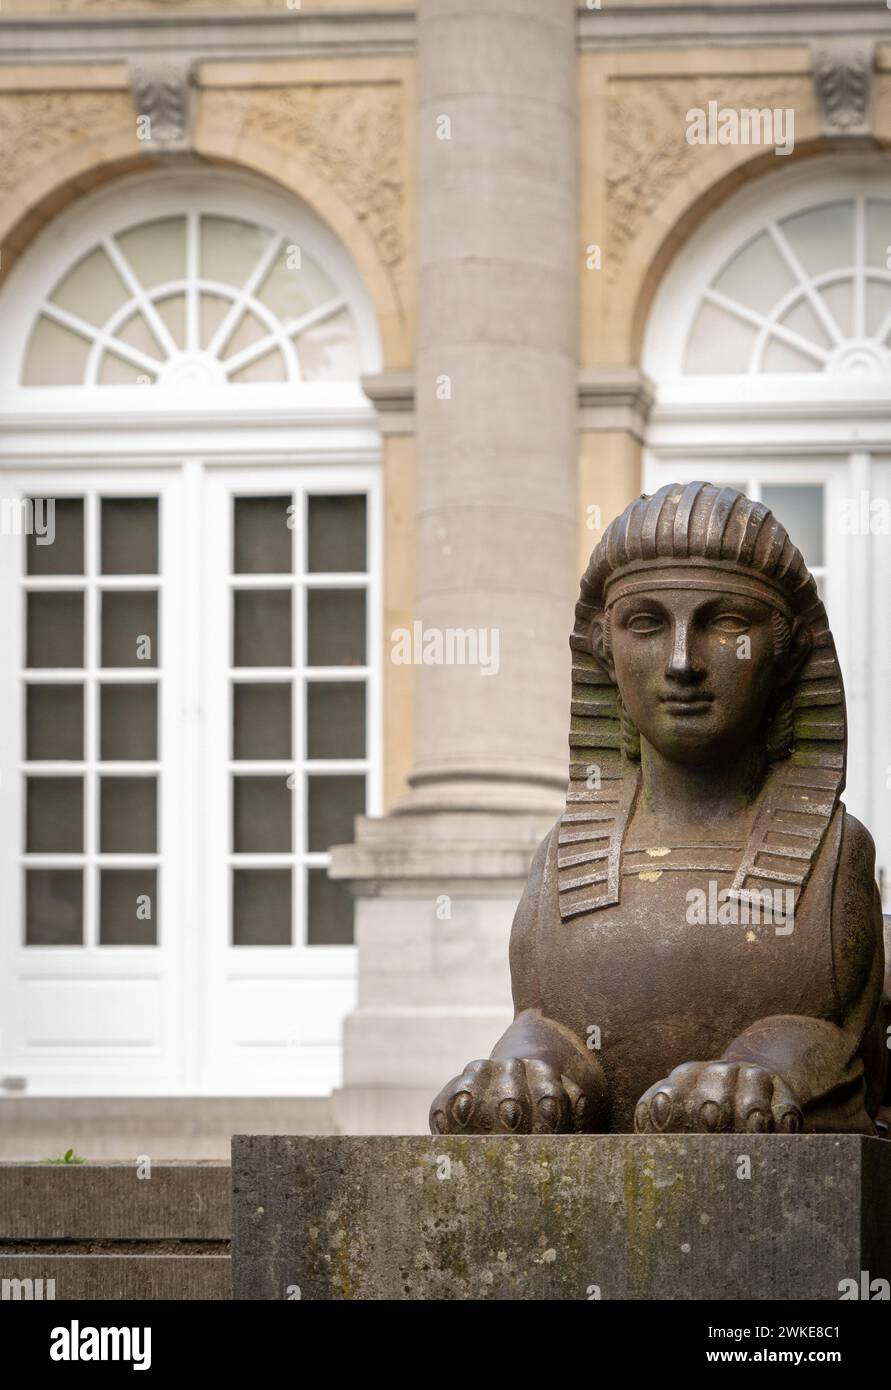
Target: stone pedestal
[561,1217]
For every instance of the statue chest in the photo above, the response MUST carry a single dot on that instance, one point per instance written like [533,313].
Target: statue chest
[683,949]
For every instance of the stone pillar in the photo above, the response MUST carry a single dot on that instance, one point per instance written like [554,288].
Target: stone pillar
[438,879]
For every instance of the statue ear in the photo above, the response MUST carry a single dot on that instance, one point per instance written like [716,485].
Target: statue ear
[600,644]
[800,644]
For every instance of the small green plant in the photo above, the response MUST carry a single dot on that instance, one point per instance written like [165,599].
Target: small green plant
[68,1157]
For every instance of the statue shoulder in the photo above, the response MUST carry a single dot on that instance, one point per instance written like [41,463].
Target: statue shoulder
[857,850]
[856,908]
[524,933]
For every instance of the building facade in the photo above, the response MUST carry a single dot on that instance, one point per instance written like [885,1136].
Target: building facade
[335,335]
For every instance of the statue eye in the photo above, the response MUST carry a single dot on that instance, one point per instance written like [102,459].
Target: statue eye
[730,622]
[644,623]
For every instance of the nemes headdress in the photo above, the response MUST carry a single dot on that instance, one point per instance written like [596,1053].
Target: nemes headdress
[721,538]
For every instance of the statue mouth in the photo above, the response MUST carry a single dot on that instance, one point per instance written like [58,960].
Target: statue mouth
[692,703]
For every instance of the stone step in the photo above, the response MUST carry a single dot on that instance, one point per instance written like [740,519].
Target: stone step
[89,1276]
[111,1201]
[193,1128]
[115,1231]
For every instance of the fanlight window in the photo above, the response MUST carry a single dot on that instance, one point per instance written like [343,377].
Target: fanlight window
[809,293]
[189,300]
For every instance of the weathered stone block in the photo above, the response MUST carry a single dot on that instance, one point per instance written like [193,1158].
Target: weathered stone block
[728,1216]
[110,1201]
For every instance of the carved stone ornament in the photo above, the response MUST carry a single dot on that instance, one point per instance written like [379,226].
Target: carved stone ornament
[843,78]
[162,95]
[700,944]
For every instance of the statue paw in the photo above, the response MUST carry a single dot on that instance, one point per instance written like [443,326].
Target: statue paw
[718,1097]
[514,1096]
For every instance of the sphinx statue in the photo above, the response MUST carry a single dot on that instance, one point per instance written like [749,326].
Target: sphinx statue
[699,945]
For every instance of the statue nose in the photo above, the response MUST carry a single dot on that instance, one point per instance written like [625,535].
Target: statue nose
[680,662]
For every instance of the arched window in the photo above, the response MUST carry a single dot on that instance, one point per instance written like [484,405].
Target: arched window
[809,292]
[190,299]
[769,343]
[190,689]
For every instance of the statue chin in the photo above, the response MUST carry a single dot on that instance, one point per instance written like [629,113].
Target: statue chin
[673,957]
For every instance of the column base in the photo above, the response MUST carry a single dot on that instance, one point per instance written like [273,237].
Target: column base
[435,899]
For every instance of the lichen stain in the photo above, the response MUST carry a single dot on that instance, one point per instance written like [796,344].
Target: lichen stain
[642,1194]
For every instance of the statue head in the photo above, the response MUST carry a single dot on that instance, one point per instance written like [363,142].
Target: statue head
[700,613]
[699,629]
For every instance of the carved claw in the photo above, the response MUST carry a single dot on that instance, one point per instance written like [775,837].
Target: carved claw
[509,1096]
[719,1097]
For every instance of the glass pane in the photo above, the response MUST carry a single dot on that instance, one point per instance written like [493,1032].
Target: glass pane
[173,312]
[128,722]
[780,357]
[261,721]
[822,238]
[249,330]
[213,309]
[261,907]
[128,907]
[330,911]
[55,630]
[129,535]
[336,530]
[757,276]
[128,815]
[55,722]
[262,627]
[55,816]
[117,371]
[328,351]
[92,290]
[262,537]
[269,367]
[130,628]
[802,319]
[335,627]
[878,232]
[295,284]
[54,907]
[54,528]
[719,342]
[332,806]
[137,334]
[156,250]
[335,719]
[800,509]
[261,815]
[56,356]
[878,307]
[839,300]
[230,249]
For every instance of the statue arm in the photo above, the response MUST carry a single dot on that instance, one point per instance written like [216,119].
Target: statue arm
[822,1061]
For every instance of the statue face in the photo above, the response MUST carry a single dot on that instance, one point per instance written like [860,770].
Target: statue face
[692,687]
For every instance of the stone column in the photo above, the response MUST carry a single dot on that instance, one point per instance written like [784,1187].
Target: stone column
[438,879]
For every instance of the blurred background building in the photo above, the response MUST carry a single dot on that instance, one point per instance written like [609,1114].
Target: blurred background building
[328,327]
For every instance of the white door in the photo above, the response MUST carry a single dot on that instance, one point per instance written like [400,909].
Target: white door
[292,700]
[97,973]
